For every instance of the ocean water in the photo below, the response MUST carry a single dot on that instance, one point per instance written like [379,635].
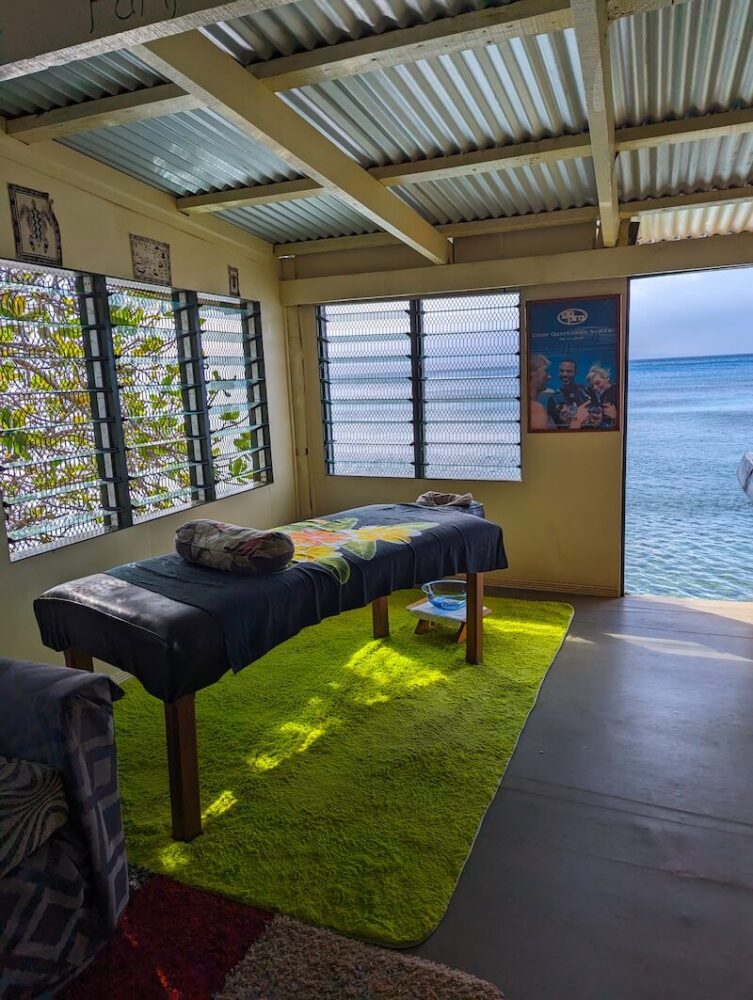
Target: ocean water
[689,526]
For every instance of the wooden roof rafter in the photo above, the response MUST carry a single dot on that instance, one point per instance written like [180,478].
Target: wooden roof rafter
[205,71]
[451,34]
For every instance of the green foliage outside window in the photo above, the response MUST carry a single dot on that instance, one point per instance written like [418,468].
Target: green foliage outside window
[47,448]
[148,372]
[50,470]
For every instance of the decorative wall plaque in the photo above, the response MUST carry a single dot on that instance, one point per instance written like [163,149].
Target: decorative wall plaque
[35,229]
[234,281]
[151,260]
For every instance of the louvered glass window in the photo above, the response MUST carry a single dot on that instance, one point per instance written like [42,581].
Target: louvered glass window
[236,393]
[50,478]
[425,388]
[365,359]
[121,401]
[471,386]
[151,398]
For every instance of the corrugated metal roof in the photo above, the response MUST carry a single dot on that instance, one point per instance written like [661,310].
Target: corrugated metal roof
[186,153]
[541,188]
[686,167]
[309,219]
[524,88]
[486,196]
[84,80]
[283,30]
[509,92]
[693,223]
[689,59]
[310,24]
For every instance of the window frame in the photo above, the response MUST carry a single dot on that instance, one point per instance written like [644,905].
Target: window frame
[417,380]
[105,416]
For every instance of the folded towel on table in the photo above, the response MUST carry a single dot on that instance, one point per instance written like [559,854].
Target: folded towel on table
[434,499]
[233,548]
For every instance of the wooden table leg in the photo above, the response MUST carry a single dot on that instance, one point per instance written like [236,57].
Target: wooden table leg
[422,627]
[474,646]
[183,767]
[78,659]
[380,616]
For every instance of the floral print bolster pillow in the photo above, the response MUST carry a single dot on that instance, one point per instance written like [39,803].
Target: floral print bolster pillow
[233,548]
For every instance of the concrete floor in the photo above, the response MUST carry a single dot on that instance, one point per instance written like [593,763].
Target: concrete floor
[616,860]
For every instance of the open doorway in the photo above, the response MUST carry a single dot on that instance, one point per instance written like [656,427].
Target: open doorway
[688,524]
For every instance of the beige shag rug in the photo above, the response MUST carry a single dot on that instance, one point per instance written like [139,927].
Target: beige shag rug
[179,942]
[292,961]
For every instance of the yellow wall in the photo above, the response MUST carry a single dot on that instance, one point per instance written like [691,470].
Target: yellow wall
[562,523]
[97,208]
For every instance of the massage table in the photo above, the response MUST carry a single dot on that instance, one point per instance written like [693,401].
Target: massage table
[178,627]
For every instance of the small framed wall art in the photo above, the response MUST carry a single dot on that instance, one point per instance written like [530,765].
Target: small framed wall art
[234,282]
[151,260]
[36,232]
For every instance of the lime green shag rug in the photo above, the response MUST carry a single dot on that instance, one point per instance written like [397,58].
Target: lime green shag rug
[344,778]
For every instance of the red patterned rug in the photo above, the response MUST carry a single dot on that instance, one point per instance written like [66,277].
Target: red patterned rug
[179,943]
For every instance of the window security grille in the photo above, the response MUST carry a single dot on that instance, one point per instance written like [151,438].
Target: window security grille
[365,361]
[148,371]
[426,388]
[52,487]
[236,393]
[121,401]
[471,387]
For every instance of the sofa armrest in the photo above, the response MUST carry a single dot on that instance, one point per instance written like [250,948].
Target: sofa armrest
[63,718]
[33,805]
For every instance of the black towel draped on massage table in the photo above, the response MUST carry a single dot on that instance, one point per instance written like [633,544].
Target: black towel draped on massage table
[179,627]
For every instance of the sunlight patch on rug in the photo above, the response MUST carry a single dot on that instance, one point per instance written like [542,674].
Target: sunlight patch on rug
[343,778]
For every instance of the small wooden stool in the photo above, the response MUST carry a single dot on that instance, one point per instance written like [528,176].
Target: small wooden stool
[427,614]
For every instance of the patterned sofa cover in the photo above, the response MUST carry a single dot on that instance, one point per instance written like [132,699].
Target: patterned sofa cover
[64,881]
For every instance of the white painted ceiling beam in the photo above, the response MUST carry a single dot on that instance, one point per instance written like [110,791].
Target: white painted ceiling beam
[465,31]
[698,199]
[592,37]
[567,147]
[515,155]
[248,197]
[82,173]
[168,98]
[629,8]
[423,41]
[522,272]
[38,34]
[481,227]
[121,109]
[202,69]
[714,126]
[427,41]
[520,223]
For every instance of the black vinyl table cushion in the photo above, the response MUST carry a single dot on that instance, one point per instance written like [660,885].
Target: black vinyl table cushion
[178,627]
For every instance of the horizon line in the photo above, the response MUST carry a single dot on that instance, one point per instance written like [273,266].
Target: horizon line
[693,357]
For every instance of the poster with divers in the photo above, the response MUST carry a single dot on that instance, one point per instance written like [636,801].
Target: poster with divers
[573,364]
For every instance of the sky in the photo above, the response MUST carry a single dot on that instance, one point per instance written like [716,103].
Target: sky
[687,315]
